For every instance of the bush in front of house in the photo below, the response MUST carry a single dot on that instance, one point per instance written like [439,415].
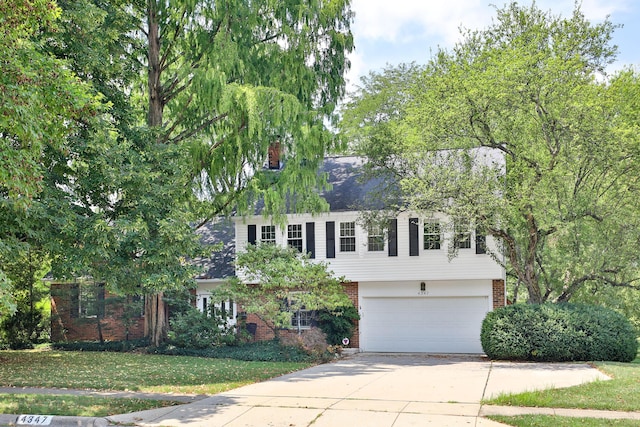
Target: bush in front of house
[338,324]
[558,333]
[195,329]
[259,351]
[113,346]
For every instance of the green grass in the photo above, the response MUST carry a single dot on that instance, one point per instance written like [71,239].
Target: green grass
[555,421]
[134,372]
[621,393]
[83,406]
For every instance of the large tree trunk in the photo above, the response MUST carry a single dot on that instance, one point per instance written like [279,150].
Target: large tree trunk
[156,319]
[156,101]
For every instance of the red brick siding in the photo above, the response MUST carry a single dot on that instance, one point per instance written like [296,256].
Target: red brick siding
[499,293]
[65,327]
[264,332]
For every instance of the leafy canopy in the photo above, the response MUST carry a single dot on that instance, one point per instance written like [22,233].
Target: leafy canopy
[275,282]
[532,90]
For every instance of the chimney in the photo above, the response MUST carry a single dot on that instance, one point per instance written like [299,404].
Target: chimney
[274,155]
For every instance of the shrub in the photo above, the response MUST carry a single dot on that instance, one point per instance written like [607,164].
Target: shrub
[260,351]
[194,329]
[338,324]
[113,346]
[558,332]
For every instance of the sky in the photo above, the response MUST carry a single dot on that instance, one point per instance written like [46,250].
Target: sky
[403,31]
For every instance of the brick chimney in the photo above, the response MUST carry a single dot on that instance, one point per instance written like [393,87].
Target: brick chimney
[274,155]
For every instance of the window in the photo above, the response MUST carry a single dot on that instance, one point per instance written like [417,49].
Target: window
[462,235]
[302,319]
[347,237]
[375,239]
[294,236]
[88,300]
[268,234]
[431,235]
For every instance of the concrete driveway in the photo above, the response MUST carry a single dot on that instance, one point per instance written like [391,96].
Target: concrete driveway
[372,390]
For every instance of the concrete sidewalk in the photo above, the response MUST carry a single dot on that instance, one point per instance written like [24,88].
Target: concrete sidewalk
[377,390]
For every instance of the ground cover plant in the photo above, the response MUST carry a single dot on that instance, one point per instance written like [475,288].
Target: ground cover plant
[82,406]
[134,372]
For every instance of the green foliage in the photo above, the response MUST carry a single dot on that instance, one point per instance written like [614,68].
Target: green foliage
[558,332]
[338,324]
[555,188]
[198,330]
[112,346]
[29,324]
[260,351]
[274,282]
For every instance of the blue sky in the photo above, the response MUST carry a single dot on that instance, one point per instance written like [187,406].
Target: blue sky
[397,31]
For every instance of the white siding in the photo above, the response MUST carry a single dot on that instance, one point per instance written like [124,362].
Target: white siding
[362,265]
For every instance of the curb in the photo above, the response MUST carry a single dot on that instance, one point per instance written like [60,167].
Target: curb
[55,421]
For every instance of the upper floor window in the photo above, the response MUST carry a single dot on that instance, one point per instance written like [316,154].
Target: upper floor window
[347,237]
[268,234]
[294,236]
[432,235]
[462,235]
[375,239]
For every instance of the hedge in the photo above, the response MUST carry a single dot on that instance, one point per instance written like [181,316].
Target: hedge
[557,333]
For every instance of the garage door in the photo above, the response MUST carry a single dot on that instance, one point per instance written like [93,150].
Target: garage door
[434,325]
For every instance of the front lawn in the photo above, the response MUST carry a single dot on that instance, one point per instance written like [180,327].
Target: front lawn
[134,372]
[120,371]
[551,421]
[81,406]
[621,393]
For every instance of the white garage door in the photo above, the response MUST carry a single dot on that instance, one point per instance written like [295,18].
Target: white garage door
[434,325]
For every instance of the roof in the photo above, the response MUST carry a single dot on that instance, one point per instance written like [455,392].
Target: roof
[350,190]
[220,264]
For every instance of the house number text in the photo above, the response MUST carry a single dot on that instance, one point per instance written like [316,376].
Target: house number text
[34,420]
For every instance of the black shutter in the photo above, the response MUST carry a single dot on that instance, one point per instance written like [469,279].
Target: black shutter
[251,230]
[481,242]
[393,237]
[311,239]
[413,237]
[331,239]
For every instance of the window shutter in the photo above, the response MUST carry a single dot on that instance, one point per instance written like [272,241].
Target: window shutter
[413,237]
[251,231]
[331,239]
[311,239]
[393,237]
[481,242]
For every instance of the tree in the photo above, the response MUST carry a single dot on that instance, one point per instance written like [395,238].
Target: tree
[275,283]
[519,130]
[196,91]
[41,103]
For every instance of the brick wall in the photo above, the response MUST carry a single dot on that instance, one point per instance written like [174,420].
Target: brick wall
[264,332]
[499,293]
[67,326]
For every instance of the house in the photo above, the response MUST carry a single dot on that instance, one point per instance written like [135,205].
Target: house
[411,297]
